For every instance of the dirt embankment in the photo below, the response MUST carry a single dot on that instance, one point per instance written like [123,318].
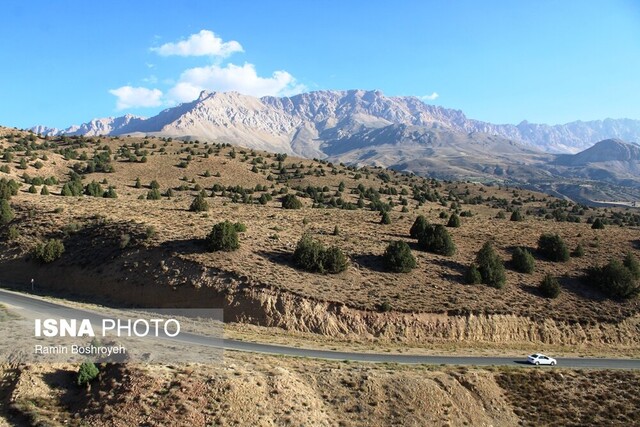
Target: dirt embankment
[157,280]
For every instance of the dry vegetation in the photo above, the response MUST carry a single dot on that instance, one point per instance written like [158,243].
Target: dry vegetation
[267,390]
[436,285]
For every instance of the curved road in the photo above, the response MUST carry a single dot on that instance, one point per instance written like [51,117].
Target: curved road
[39,305]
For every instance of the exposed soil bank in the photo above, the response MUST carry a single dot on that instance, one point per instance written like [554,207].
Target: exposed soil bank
[159,282]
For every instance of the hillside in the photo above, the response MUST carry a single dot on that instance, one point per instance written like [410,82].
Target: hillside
[144,250]
[265,390]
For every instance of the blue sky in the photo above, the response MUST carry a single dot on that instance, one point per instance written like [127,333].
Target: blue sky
[551,62]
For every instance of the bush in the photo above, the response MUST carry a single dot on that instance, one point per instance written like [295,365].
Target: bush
[436,239]
[49,251]
[385,218]
[552,247]
[110,193]
[501,215]
[87,373]
[240,227]
[336,230]
[418,227]
[632,264]
[523,261]
[598,224]
[334,261]
[385,307]
[517,216]
[398,257]
[6,213]
[223,237]
[549,287]
[578,252]
[199,204]
[472,275]
[454,221]
[154,194]
[93,189]
[310,255]
[44,191]
[290,201]
[490,266]
[614,279]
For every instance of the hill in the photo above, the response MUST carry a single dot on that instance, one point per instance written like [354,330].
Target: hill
[146,246]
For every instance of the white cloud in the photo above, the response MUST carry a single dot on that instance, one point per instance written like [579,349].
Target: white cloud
[243,79]
[134,97]
[431,97]
[204,43]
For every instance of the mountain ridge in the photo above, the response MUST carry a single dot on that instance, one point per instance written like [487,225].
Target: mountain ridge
[292,124]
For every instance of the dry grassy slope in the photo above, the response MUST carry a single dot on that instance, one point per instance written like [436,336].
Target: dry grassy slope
[263,259]
[266,391]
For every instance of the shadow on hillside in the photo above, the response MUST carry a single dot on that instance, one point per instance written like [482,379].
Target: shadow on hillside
[184,246]
[370,261]
[457,270]
[574,285]
[278,257]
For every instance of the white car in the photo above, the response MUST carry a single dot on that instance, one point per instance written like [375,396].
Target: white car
[541,359]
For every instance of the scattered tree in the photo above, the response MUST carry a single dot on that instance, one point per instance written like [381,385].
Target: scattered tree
[223,237]
[290,201]
[398,257]
[523,261]
[552,247]
[87,373]
[49,251]
[418,227]
[436,239]
[454,221]
[490,266]
[549,287]
[199,204]
[598,224]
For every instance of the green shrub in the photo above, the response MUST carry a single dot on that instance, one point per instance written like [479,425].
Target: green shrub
[93,189]
[49,251]
[472,275]
[290,201]
[385,218]
[385,307]
[523,261]
[223,237]
[549,287]
[334,261]
[436,239]
[199,204]
[154,185]
[517,215]
[240,227]
[501,215]
[12,233]
[8,188]
[310,255]
[490,266]
[614,280]
[33,189]
[398,257]
[598,224]
[44,191]
[154,194]
[552,247]
[110,193]
[6,213]
[454,221]
[87,373]
[578,252]
[632,264]
[418,227]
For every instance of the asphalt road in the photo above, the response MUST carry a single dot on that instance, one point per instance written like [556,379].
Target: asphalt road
[38,305]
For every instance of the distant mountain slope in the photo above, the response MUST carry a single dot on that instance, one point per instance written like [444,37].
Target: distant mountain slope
[301,124]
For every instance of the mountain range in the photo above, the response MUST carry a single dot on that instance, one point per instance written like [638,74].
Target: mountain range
[367,127]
